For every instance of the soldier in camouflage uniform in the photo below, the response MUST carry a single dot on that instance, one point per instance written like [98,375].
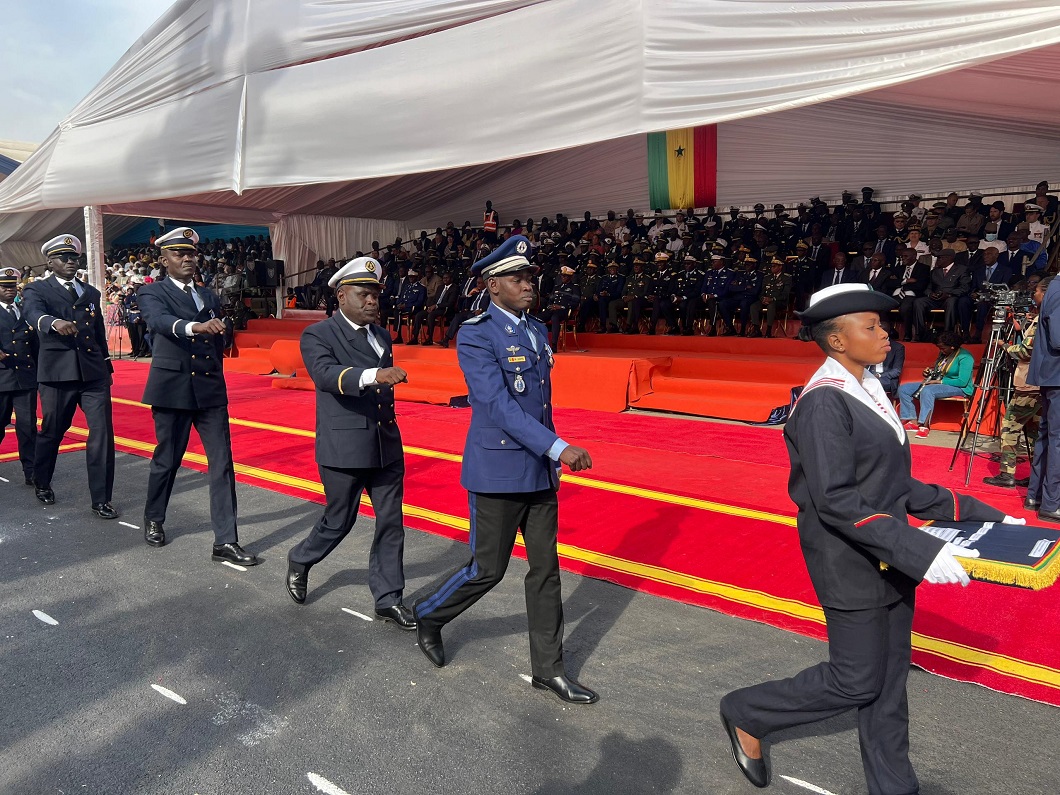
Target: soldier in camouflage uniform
[1023,412]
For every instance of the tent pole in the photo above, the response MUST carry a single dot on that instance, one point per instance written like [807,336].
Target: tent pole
[94,248]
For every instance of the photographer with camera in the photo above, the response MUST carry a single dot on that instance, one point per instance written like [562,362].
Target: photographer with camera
[987,278]
[952,375]
[1023,411]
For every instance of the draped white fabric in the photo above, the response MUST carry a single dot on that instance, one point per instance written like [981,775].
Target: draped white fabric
[301,240]
[262,108]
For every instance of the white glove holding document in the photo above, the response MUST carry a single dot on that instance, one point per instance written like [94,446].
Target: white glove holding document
[946,568]
[1012,520]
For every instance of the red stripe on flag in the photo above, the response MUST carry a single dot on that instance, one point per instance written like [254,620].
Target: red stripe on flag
[705,174]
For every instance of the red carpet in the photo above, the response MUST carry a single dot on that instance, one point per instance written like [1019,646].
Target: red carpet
[688,510]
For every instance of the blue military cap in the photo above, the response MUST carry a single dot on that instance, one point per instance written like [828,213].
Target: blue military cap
[508,257]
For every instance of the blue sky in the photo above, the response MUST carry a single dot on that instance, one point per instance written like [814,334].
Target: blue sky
[53,52]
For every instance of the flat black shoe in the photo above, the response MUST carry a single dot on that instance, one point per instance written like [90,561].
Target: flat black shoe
[154,534]
[753,769]
[1003,479]
[567,689]
[1031,504]
[399,614]
[104,510]
[1049,516]
[297,582]
[234,553]
[44,494]
[429,639]
[1023,482]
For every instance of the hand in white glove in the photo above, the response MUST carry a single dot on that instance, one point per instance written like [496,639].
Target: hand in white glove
[946,569]
[1012,520]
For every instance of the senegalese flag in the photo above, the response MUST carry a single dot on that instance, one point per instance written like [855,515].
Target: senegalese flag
[683,167]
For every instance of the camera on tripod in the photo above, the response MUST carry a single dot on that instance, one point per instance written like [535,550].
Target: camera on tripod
[1008,303]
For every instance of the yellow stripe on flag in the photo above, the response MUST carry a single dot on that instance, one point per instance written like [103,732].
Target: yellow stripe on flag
[680,158]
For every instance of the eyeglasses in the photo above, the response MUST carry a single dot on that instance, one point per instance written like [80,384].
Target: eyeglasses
[69,257]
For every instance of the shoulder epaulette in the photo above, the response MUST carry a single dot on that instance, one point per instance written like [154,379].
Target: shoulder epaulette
[471,321]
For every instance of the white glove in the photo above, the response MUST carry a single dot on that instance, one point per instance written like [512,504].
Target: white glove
[946,569]
[1012,520]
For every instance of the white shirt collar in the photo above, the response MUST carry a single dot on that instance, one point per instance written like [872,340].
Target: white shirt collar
[868,392]
[506,313]
[355,326]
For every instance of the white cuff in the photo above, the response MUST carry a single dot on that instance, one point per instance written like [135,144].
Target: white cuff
[368,377]
[187,329]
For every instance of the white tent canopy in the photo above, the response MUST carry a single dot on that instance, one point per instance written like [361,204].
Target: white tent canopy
[253,111]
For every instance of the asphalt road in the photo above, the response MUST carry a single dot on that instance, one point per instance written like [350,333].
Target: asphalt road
[288,699]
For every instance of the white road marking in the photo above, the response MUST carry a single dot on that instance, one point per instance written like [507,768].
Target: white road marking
[169,694]
[5,480]
[525,678]
[324,785]
[126,524]
[361,616]
[807,785]
[47,619]
[231,565]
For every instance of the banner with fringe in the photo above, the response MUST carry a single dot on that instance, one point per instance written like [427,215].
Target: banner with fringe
[1009,554]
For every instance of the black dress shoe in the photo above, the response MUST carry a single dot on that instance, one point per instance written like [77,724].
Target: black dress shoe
[753,769]
[154,534]
[1003,479]
[44,494]
[30,481]
[234,553]
[1031,504]
[1023,482]
[429,639]
[297,582]
[567,689]
[104,510]
[399,614]
[1049,516]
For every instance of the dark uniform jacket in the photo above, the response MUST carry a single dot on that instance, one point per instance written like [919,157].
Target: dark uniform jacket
[957,281]
[850,478]
[715,282]
[566,295]
[355,429]
[186,372]
[777,287]
[18,371]
[83,356]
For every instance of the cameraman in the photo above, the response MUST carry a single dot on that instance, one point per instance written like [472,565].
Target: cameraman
[1022,414]
[988,272]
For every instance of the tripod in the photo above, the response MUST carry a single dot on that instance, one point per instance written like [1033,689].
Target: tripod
[115,319]
[993,386]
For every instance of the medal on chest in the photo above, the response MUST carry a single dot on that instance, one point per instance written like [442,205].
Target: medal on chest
[519,385]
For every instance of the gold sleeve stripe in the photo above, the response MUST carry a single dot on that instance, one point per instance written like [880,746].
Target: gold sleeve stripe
[340,379]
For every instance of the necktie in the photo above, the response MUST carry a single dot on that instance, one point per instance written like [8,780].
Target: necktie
[191,295]
[13,311]
[72,290]
[363,331]
[525,328]
[837,276]
[879,247]
[873,275]
[989,272]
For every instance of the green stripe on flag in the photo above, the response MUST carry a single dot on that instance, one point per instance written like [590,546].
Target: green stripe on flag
[658,173]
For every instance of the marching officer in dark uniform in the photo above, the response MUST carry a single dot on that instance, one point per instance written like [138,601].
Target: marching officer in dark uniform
[185,388]
[776,292]
[609,292]
[511,470]
[18,372]
[713,289]
[73,369]
[564,300]
[358,445]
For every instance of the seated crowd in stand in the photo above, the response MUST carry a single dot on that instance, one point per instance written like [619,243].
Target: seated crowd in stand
[708,274]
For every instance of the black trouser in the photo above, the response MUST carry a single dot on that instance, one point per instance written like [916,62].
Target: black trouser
[495,520]
[665,309]
[24,402]
[342,490]
[555,324]
[432,319]
[136,338]
[172,431]
[957,311]
[867,668]
[58,402]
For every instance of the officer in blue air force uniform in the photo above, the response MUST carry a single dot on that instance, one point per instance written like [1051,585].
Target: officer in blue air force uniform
[186,387]
[511,469]
[358,445]
[18,372]
[73,370]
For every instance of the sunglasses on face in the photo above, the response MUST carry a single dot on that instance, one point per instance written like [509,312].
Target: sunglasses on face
[68,257]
